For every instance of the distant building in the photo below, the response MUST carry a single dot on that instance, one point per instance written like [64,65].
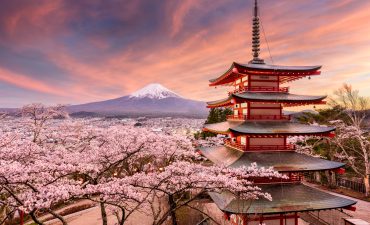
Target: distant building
[159,129]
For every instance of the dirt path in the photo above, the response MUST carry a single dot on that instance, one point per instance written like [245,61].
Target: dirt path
[76,204]
[92,216]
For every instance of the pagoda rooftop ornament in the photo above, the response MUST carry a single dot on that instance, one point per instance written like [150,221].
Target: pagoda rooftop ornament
[256,36]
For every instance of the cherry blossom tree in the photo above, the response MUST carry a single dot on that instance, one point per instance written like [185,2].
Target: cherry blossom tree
[351,143]
[38,115]
[353,140]
[127,154]
[353,147]
[33,178]
[179,179]
[124,167]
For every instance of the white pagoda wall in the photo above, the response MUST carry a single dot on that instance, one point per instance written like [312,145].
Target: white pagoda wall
[265,111]
[266,141]
[269,81]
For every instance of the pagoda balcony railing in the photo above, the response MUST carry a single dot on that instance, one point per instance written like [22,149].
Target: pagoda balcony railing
[241,147]
[260,89]
[269,117]
[290,178]
[237,117]
[258,117]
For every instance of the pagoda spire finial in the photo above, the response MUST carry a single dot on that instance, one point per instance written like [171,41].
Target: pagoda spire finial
[256,36]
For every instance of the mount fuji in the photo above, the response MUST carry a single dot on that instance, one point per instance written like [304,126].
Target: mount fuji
[154,91]
[151,100]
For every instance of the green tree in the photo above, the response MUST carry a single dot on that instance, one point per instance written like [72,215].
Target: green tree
[216,115]
[324,116]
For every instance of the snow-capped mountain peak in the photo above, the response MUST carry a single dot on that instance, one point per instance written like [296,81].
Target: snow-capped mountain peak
[154,91]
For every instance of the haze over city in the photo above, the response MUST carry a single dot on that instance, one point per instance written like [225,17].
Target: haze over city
[81,51]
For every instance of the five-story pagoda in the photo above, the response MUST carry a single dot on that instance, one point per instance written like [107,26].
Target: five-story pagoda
[257,132]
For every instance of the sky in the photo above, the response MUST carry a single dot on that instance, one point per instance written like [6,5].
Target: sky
[70,52]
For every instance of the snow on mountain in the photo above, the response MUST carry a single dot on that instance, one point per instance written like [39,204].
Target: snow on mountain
[154,91]
[153,99]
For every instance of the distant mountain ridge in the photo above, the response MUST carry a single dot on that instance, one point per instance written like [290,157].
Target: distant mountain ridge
[151,100]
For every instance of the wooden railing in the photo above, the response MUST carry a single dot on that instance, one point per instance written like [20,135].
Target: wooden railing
[259,89]
[258,147]
[270,147]
[353,185]
[269,117]
[290,178]
[259,117]
[236,117]
[235,145]
[295,177]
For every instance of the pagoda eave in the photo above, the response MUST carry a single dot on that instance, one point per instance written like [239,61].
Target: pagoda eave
[282,161]
[216,131]
[228,77]
[226,102]
[276,97]
[294,104]
[282,134]
[286,99]
[221,128]
[285,73]
[283,128]
[219,105]
[284,104]
[287,198]
[252,67]
[255,128]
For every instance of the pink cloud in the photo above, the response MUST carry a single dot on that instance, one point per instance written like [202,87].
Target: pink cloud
[23,81]
[335,36]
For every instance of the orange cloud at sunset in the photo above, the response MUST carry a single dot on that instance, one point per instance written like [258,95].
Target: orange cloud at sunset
[89,51]
[23,81]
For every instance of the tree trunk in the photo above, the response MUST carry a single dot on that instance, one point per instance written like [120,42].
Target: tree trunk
[56,215]
[367,185]
[34,218]
[103,214]
[172,203]
[123,217]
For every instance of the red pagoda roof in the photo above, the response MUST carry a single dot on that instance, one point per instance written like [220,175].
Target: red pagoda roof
[270,128]
[286,198]
[275,97]
[220,103]
[221,128]
[285,161]
[282,128]
[285,73]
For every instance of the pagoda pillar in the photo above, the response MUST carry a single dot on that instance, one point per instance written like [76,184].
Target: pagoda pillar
[248,143]
[317,176]
[295,218]
[281,219]
[249,110]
